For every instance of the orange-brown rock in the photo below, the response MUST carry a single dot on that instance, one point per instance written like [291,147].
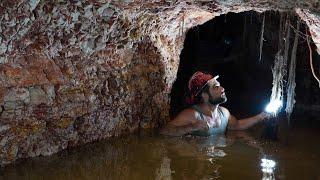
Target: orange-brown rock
[72,72]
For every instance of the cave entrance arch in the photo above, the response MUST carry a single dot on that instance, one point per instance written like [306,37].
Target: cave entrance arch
[228,45]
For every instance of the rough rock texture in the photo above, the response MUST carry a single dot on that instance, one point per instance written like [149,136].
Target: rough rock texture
[313,22]
[73,72]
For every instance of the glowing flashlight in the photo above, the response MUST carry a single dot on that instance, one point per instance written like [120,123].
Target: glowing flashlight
[273,106]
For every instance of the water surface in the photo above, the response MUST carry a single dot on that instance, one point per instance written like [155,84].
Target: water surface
[150,156]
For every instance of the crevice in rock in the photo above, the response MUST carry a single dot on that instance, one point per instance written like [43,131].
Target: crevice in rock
[1,110]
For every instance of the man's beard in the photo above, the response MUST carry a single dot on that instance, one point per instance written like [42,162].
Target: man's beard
[219,100]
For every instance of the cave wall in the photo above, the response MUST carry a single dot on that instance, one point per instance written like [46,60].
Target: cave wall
[73,72]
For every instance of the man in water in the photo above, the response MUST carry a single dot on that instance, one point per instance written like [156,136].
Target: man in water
[206,116]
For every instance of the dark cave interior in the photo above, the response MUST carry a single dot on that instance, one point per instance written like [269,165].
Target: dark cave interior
[228,45]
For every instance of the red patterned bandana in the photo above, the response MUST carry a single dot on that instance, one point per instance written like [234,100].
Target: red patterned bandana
[197,82]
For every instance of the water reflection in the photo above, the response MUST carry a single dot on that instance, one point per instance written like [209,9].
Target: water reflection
[235,156]
[131,157]
[164,172]
[195,157]
[267,168]
[211,149]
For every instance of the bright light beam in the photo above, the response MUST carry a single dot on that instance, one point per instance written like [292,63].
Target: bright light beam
[274,106]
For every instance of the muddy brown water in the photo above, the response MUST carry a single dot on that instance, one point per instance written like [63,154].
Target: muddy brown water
[237,155]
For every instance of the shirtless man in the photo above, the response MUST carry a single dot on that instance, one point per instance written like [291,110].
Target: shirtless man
[206,116]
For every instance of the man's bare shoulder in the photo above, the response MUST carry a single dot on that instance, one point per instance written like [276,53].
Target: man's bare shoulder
[225,111]
[186,116]
[188,111]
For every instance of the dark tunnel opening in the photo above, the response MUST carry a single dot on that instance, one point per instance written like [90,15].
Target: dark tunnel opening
[228,46]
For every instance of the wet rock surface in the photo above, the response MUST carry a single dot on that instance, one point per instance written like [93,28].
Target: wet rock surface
[73,72]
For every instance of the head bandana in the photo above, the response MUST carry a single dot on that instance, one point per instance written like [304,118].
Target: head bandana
[197,82]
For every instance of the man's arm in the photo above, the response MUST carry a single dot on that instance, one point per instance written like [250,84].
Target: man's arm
[242,124]
[184,123]
[172,130]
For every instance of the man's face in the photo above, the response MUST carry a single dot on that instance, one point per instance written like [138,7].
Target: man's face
[216,93]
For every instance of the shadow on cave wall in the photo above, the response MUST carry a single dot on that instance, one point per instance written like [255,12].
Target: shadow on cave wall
[228,45]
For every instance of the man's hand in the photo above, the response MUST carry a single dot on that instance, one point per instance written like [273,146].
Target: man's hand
[265,115]
[172,130]
[200,125]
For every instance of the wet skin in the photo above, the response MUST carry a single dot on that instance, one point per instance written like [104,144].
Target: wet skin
[188,120]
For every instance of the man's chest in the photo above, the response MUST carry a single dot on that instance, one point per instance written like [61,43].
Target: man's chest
[215,121]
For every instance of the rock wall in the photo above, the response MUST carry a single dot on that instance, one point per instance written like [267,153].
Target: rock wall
[73,72]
